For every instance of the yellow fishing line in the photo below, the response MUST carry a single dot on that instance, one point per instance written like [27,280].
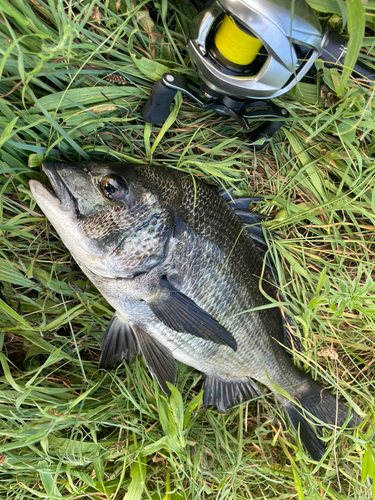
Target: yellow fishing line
[234,44]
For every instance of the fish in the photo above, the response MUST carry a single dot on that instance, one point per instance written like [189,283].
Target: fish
[188,283]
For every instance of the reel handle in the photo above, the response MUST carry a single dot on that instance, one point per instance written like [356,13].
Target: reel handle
[265,131]
[156,109]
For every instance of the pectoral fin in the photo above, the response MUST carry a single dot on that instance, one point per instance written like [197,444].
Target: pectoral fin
[158,358]
[182,314]
[118,343]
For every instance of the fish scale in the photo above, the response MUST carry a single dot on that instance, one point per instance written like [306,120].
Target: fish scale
[185,277]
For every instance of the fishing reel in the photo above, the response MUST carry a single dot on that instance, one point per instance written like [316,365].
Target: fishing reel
[248,51]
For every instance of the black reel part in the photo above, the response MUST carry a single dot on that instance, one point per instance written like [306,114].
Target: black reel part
[156,109]
[333,52]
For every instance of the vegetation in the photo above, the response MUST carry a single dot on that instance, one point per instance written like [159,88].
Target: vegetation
[70,431]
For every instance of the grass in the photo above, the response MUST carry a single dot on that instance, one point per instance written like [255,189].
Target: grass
[70,431]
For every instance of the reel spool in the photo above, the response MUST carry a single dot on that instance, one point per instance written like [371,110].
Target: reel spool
[233,45]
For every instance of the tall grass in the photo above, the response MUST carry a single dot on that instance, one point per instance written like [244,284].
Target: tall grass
[70,431]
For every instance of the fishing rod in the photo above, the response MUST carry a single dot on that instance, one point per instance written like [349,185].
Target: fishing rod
[247,52]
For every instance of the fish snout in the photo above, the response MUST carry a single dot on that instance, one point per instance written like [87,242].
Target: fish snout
[63,194]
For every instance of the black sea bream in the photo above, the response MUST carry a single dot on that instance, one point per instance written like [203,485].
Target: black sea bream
[183,274]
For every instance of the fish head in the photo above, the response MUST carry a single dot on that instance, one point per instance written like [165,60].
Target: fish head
[110,221]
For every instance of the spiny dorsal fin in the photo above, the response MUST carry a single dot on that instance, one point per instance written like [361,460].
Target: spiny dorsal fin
[242,202]
[252,221]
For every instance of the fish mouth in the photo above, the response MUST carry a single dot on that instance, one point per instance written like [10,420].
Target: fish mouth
[60,196]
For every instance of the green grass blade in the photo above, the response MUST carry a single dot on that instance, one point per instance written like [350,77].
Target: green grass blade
[356,29]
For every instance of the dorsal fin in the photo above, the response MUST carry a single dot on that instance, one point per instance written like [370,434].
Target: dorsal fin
[251,219]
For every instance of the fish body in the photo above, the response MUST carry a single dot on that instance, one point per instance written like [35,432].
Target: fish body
[183,274]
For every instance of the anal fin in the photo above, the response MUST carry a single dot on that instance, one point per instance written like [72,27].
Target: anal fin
[225,394]
[119,343]
[159,359]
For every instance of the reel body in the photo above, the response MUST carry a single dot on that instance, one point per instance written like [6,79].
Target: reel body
[285,34]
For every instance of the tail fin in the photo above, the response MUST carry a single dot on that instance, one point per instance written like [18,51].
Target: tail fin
[314,401]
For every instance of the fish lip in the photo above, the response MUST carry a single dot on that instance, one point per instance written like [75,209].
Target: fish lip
[61,192]
[39,189]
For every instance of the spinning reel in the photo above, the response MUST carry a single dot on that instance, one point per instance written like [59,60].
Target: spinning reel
[248,51]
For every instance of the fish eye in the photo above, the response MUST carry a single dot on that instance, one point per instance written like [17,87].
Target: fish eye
[113,187]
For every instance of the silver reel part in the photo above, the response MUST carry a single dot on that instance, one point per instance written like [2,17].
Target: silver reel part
[292,39]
